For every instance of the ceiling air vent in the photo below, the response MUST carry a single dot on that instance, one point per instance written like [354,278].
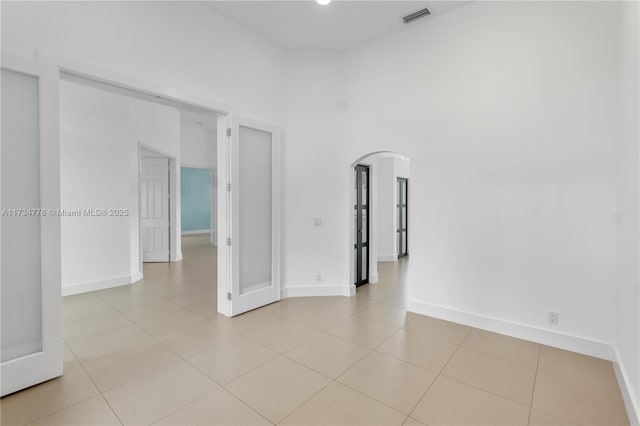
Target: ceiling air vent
[416,15]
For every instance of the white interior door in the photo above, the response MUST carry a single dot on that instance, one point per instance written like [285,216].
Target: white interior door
[30,282]
[154,209]
[253,209]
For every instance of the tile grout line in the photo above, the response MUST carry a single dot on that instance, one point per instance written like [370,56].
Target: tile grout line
[533,391]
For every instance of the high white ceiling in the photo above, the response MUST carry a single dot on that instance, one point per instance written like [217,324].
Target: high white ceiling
[337,27]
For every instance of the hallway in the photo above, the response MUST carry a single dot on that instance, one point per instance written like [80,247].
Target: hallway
[156,352]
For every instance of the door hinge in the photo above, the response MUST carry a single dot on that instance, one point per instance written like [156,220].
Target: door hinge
[229,241]
[229,131]
[229,187]
[228,296]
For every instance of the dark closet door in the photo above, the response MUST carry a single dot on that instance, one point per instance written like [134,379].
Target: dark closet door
[403,227]
[361,218]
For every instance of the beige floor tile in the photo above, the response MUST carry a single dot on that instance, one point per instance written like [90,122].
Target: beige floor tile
[363,332]
[170,323]
[152,397]
[338,405]
[198,339]
[540,418]
[318,317]
[504,346]
[147,312]
[198,297]
[93,411]
[505,377]
[69,360]
[375,291]
[418,349]
[286,307]
[111,341]
[412,422]
[93,325]
[75,308]
[589,369]
[277,388]
[47,398]
[392,315]
[396,299]
[282,335]
[439,329]
[249,321]
[131,299]
[129,364]
[449,402]
[234,358]
[217,408]
[578,401]
[398,384]
[208,308]
[350,305]
[328,354]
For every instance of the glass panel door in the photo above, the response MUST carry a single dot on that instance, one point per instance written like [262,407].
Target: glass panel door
[362,218]
[255,209]
[20,152]
[254,242]
[402,207]
[30,280]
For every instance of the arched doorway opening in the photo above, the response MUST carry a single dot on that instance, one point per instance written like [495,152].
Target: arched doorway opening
[380,220]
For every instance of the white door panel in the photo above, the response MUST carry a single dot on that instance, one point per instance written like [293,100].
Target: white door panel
[254,199]
[154,209]
[30,284]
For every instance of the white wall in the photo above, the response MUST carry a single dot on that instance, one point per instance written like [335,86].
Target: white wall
[628,294]
[513,179]
[197,147]
[99,135]
[184,47]
[316,178]
[386,210]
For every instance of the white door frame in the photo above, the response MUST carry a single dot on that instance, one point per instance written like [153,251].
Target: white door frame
[227,118]
[174,233]
[35,368]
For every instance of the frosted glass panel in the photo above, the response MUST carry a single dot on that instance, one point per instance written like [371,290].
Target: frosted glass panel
[255,209]
[20,151]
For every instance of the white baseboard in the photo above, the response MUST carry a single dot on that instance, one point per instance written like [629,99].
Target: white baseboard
[373,278]
[316,290]
[79,288]
[566,341]
[630,398]
[387,258]
[197,231]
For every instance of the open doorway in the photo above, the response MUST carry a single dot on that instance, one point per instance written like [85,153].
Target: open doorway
[380,218]
[123,149]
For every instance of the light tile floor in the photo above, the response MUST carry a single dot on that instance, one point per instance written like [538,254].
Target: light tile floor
[156,352]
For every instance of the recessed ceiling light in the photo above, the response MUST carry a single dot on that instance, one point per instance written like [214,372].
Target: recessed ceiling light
[323,2]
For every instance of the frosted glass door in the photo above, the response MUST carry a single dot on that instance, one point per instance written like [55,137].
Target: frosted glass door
[21,285]
[255,209]
[254,238]
[31,342]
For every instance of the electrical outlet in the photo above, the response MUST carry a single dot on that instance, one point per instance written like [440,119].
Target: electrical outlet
[319,277]
[553,318]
